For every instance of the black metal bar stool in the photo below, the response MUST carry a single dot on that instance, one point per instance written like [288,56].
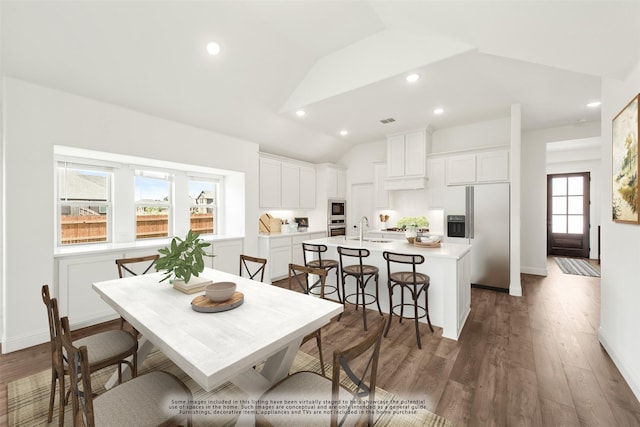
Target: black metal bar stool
[316,261]
[416,283]
[363,274]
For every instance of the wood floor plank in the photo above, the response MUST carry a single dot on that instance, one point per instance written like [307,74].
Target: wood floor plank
[557,414]
[455,404]
[590,403]
[552,382]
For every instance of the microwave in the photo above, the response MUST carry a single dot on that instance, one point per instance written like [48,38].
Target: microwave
[336,210]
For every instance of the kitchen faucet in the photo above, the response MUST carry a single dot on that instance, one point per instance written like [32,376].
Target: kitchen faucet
[364,221]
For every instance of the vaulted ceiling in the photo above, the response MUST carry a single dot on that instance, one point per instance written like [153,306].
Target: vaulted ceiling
[343,62]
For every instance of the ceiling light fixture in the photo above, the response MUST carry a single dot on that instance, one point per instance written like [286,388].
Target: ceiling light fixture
[411,78]
[344,132]
[438,110]
[213,48]
[594,104]
[301,113]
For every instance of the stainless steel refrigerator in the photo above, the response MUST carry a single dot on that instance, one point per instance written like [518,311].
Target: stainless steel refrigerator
[484,212]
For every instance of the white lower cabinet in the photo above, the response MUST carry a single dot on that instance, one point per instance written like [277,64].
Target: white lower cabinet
[76,297]
[227,255]
[281,250]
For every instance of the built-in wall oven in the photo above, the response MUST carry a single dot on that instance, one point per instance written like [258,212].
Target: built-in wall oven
[336,218]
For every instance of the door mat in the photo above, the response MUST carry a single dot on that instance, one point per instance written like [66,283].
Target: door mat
[577,266]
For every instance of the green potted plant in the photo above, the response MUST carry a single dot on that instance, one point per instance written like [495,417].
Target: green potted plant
[417,222]
[183,258]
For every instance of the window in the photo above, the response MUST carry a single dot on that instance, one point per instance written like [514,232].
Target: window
[203,194]
[108,198]
[153,204]
[84,203]
[567,205]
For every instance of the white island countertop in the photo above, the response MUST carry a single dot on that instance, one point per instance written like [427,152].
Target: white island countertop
[446,250]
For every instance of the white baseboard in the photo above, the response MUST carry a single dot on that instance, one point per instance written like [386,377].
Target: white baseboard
[14,344]
[626,373]
[534,270]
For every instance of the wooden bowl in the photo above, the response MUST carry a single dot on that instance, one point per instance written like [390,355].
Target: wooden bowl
[220,291]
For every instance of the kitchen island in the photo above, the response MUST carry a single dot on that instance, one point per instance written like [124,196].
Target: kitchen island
[448,267]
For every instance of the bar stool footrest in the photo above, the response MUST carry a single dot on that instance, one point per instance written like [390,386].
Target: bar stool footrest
[422,313]
[372,299]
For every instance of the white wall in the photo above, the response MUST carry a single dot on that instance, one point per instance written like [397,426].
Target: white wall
[36,119]
[620,290]
[489,133]
[533,214]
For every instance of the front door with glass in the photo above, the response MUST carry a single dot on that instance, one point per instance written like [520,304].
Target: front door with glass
[568,214]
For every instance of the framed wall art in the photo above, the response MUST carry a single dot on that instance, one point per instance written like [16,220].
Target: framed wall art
[625,205]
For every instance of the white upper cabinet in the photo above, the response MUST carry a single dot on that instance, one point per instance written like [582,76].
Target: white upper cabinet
[492,166]
[382,199]
[307,187]
[336,183]
[461,169]
[290,185]
[482,167]
[270,183]
[415,153]
[406,160]
[395,156]
[436,182]
[286,185]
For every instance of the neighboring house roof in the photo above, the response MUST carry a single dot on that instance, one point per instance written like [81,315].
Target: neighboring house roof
[75,185]
[206,197]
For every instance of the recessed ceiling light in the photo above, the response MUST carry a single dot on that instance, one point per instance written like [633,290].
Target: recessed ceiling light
[301,113]
[344,132]
[438,110]
[213,48]
[413,77]
[594,104]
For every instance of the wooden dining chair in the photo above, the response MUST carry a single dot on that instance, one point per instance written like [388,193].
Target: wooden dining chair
[141,400]
[107,348]
[136,266]
[251,266]
[312,386]
[133,267]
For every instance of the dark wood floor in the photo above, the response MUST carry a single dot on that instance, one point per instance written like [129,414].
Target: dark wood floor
[533,360]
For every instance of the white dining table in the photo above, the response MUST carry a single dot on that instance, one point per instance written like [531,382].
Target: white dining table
[213,348]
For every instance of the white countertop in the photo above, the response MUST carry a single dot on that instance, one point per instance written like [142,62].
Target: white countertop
[93,248]
[291,233]
[447,250]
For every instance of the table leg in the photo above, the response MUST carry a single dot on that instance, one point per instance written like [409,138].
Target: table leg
[144,348]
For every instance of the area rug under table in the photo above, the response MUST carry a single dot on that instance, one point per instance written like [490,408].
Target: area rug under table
[28,398]
[577,266]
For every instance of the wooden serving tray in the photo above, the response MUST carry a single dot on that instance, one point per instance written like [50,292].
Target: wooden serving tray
[203,304]
[427,244]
